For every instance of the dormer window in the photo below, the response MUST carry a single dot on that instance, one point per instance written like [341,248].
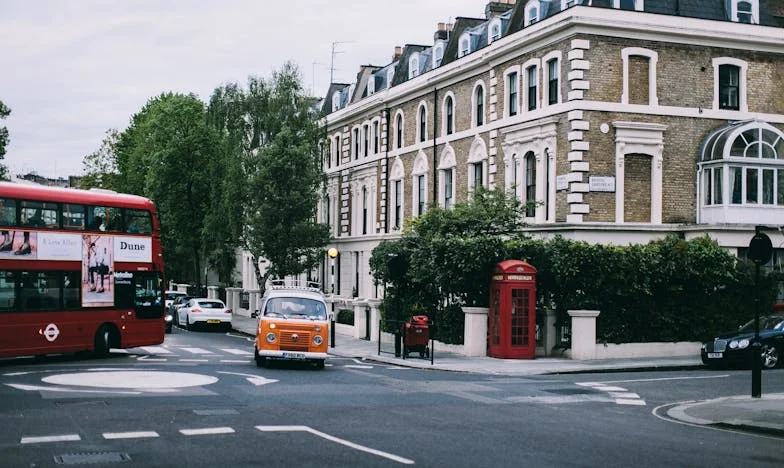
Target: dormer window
[634,5]
[465,45]
[335,101]
[438,54]
[413,65]
[390,76]
[744,11]
[494,30]
[570,3]
[531,12]
[371,86]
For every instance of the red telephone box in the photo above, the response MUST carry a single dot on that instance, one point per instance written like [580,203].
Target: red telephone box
[511,328]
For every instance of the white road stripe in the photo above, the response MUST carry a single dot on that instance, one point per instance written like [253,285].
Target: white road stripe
[323,435]
[197,350]
[624,395]
[357,366]
[155,350]
[238,352]
[54,438]
[610,389]
[234,361]
[657,379]
[194,360]
[622,401]
[130,435]
[207,430]
[588,384]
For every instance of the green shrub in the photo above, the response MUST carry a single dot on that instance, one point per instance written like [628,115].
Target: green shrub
[345,316]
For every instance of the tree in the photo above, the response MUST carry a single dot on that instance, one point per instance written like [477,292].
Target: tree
[4,112]
[270,137]
[167,154]
[100,167]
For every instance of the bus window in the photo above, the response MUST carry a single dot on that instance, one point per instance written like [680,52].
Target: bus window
[148,295]
[138,222]
[39,214]
[7,212]
[40,290]
[73,216]
[7,291]
[71,290]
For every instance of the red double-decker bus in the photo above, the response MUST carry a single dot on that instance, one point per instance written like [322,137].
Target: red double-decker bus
[79,270]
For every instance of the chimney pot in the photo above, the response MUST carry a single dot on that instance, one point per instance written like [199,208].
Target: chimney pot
[441,27]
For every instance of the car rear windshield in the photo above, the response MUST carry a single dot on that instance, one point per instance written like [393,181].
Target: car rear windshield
[211,304]
[296,307]
[172,296]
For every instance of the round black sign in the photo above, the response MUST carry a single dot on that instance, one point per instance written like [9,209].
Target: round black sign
[760,248]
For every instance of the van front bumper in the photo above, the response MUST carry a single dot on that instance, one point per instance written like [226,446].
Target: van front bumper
[294,355]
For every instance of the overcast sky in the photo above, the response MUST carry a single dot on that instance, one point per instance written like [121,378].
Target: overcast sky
[71,70]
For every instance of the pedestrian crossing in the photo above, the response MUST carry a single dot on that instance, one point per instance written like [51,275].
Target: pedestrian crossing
[187,354]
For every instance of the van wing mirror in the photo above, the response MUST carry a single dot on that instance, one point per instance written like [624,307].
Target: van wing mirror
[254,314]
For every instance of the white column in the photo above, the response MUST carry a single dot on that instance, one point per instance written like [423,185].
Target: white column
[583,333]
[475,333]
[374,318]
[549,331]
[360,320]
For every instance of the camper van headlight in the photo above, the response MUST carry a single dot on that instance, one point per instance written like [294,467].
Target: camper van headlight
[317,340]
[271,337]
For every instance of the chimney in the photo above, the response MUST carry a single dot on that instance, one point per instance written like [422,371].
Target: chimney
[441,33]
[398,53]
[498,7]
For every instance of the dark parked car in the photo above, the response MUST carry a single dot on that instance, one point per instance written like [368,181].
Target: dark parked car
[735,348]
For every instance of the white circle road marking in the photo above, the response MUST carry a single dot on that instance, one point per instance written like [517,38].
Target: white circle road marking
[51,332]
[131,379]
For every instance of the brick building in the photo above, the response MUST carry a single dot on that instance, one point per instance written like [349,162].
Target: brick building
[625,119]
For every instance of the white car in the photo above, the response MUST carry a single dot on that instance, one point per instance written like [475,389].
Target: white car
[204,312]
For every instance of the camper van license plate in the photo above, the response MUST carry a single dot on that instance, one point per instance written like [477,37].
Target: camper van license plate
[293,356]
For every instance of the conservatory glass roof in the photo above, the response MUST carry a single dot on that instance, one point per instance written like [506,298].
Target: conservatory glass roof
[745,139]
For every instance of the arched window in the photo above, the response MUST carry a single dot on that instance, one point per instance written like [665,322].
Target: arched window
[494,30]
[742,169]
[465,45]
[413,65]
[419,185]
[531,12]
[479,105]
[438,54]
[422,123]
[396,179]
[745,11]
[449,115]
[446,178]
[399,130]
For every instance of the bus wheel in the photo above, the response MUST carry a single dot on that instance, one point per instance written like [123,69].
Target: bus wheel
[102,342]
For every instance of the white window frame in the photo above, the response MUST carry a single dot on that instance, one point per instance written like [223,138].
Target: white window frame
[531,18]
[474,103]
[465,39]
[400,132]
[734,11]
[390,77]
[558,57]
[397,175]
[438,54]
[653,60]
[639,5]
[356,142]
[449,94]
[420,169]
[335,101]
[495,22]
[535,63]
[477,155]
[571,3]
[375,126]
[371,85]
[366,141]
[419,123]
[507,72]
[742,83]
[413,65]
[446,163]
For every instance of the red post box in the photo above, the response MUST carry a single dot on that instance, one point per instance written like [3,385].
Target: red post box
[511,328]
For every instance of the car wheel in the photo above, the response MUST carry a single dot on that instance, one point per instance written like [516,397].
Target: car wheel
[769,356]
[101,345]
[261,361]
[320,364]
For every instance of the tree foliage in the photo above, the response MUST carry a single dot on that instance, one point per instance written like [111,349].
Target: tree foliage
[167,154]
[4,112]
[100,167]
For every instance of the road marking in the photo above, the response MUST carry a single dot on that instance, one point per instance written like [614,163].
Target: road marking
[238,352]
[197,350]
[130,435]
[254,379]
[194,360]
[155,350]
[331,438]
[67,390]
[627,395]
[623,401]
[357,366]
[136,380]
[147,358]
[207,430]
[54,438]
[235,361]
[590,384]
[610,389]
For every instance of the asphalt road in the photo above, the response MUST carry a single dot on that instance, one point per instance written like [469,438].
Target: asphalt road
[198,400]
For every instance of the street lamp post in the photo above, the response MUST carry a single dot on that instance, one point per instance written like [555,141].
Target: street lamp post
[332,253]
[760,251]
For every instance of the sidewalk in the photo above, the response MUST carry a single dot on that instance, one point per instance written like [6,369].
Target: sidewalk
[764,415]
